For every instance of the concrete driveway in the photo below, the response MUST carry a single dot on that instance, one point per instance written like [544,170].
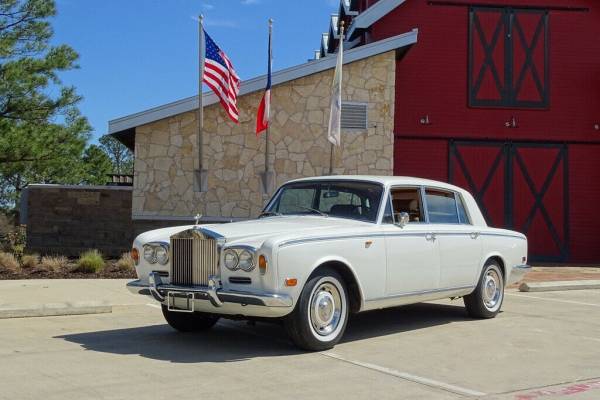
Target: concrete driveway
[543,346]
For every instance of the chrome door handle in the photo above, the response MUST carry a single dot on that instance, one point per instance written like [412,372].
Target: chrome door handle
[474,235]
[430,237]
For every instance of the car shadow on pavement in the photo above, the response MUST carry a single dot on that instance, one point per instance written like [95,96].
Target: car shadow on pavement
[231,341]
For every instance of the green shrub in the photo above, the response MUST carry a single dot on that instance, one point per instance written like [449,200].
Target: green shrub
[17,240]
[90,262]
[30,260]
[8,262]
[54,263]
[125,263]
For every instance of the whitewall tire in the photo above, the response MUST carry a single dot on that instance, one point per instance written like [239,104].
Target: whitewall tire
[319,320]
[486,300]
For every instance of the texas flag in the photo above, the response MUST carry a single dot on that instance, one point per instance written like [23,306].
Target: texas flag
[264,109]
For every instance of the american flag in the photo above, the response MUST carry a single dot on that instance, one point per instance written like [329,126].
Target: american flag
[220,76]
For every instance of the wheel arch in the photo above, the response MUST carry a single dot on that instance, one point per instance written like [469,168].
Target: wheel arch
[342,267]
[499,259]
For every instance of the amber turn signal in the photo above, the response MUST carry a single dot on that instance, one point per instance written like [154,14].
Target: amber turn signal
[291,282]
[262,264]
[135,256]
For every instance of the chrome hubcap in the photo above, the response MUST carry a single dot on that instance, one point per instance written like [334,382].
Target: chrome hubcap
[325,309]
[492,289]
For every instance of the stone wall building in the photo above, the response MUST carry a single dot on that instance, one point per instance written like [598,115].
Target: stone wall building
[165,138]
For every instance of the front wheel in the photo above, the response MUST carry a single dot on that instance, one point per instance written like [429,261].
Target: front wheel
[486,300]
[189,322]
[319,319]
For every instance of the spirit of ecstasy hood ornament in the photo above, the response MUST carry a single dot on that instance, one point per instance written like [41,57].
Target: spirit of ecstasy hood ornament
[197,218]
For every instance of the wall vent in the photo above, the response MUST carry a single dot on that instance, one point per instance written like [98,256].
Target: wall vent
[354,115]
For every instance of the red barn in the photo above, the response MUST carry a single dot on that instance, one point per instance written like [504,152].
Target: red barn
[502,98]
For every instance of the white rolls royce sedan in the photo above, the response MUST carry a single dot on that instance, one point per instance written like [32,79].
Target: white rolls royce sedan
[327,247]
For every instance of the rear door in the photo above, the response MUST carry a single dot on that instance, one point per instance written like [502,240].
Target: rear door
[458,241]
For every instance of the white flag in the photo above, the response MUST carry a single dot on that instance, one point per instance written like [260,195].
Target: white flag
[335,115]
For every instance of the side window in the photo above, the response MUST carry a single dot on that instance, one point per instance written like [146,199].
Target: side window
[462,212]
[388,217]
[407,200]
[441,207]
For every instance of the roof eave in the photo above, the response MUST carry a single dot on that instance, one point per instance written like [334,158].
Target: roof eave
[119,125]
[371,15]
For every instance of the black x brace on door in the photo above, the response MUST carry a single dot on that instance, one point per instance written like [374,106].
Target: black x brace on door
[509,159]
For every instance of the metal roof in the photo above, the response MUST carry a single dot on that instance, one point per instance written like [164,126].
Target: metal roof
[372,14]
[118,126]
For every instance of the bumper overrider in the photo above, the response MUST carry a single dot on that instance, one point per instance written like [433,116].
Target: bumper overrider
[213,292]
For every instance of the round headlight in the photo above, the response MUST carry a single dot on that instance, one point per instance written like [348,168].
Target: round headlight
[246,261]
[162,255]
[149,254]
[231,259]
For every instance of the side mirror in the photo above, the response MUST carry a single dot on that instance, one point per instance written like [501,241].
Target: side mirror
[403,220]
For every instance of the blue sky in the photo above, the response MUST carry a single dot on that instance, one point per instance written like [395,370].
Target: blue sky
[136,54]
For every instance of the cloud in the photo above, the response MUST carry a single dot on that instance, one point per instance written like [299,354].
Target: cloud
[250,2]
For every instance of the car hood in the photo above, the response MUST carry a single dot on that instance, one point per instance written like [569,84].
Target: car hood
[257,230]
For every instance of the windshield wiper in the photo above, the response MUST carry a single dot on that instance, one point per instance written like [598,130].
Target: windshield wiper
[269,213]
[313,210]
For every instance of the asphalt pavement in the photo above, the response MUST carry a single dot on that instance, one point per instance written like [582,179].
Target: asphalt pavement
[542,346]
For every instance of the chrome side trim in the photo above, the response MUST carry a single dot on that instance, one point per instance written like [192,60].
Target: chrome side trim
[415,297]
[419,292]
[322,238]
[503,235]
[388,234]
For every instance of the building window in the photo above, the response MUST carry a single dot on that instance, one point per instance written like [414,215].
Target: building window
[508,57]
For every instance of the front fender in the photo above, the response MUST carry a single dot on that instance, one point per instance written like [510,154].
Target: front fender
[367,264]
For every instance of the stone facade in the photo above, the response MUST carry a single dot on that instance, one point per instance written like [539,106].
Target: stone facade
[166,154]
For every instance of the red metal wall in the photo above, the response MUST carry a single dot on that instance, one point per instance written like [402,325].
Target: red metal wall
[584,188]
[432,80]
[408,158]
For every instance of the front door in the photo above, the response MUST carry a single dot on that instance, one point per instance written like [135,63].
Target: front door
[413,260]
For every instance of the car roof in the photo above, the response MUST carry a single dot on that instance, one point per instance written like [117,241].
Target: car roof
[384,180]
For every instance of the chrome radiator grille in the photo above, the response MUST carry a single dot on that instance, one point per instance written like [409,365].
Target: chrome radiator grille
[193,260]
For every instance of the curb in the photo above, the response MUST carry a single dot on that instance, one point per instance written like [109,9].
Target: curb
[558,285]
[53,309]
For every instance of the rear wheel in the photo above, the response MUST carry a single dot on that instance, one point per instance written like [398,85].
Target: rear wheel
[486,300]
[319,319]
[189,322]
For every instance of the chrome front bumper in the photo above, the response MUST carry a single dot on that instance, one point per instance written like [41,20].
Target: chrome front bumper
[213,293]
[517,273]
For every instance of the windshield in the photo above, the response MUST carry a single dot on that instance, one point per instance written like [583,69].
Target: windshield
[343,199]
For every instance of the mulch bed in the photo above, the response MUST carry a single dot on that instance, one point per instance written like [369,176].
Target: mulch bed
[110,272]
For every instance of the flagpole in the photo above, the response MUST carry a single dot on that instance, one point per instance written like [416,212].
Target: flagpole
[201,178]
[267,166]
[340,48]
